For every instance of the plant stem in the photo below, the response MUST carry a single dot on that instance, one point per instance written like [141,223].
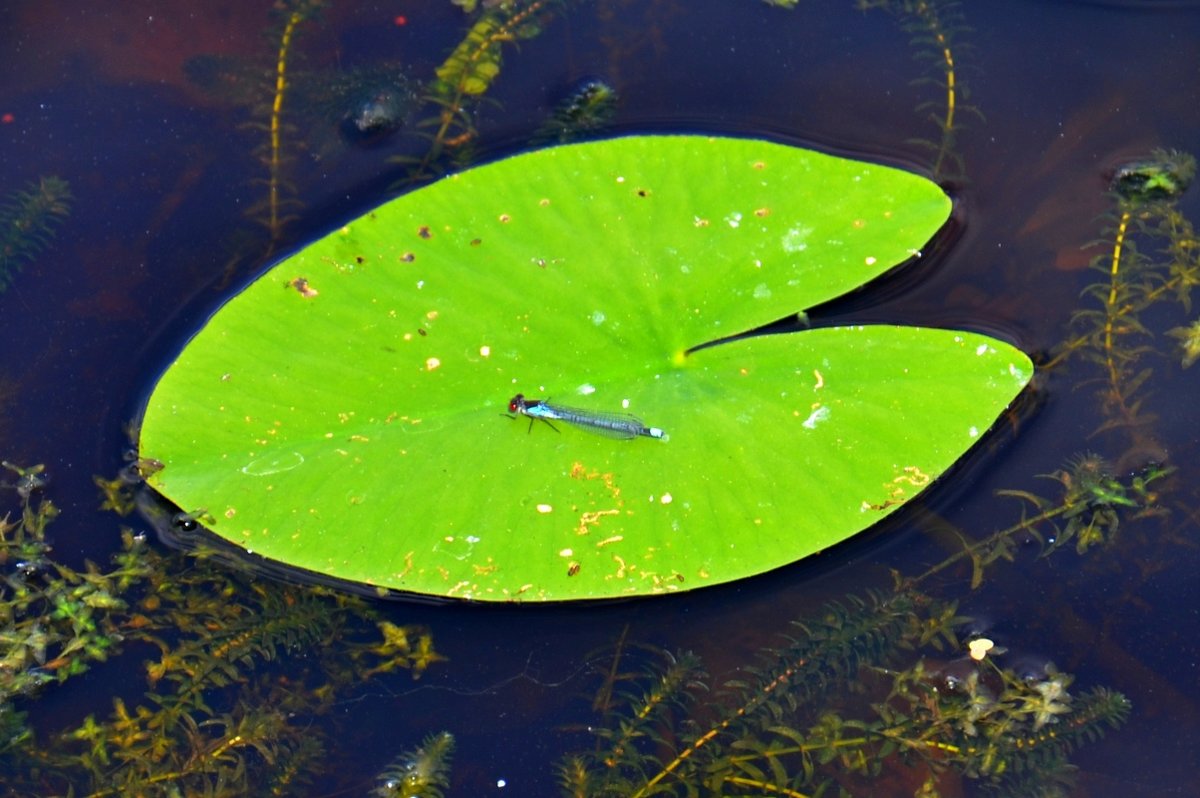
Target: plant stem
[1112,315]
[276,124]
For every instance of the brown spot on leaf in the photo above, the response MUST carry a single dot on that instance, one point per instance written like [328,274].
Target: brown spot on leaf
[303,288]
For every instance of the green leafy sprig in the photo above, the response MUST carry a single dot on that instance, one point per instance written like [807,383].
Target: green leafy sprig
[1150,255]
[423,772]
[212,721]
[796,726]
[28,221]
[466,76]
[936,27]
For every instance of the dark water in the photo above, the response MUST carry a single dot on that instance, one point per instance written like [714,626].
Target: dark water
[113,99]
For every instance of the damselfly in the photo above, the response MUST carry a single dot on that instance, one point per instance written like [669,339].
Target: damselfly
[610,425]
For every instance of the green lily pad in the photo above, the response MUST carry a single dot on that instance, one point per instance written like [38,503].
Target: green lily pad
[345,413]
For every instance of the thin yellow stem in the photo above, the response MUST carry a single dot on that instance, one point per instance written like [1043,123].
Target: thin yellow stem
[711,734]
[765,787]
[276,128]
[984,544]
[1112,314]
[928,13]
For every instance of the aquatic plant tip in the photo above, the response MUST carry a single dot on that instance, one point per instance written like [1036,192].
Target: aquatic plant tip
[1163,177]
[1189,342]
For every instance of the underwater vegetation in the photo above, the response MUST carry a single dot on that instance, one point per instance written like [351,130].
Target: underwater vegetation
[266,91]
[460,82]
[1149,259]
[210,721]
[868,689]
[1088,510]
[293,14]
[272,212]
[423,772]
[294,110]
[585,111]
[28,220]
[368,104]
[54,621]
[291,109]
[935,27]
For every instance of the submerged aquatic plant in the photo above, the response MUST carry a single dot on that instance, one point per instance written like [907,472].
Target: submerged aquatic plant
[467,74]
[28,220]
[1088,511]
[56,620]
[792,726]
[267,90]
[1189,342]
[1150,255]
[587,109]
[935,27]
[423,772]
[212,720]
[272,211]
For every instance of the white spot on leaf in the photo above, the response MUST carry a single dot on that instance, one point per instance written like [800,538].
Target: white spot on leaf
[796,239]
[818,415]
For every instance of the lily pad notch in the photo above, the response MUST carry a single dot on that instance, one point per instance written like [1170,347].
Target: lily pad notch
[344,413]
